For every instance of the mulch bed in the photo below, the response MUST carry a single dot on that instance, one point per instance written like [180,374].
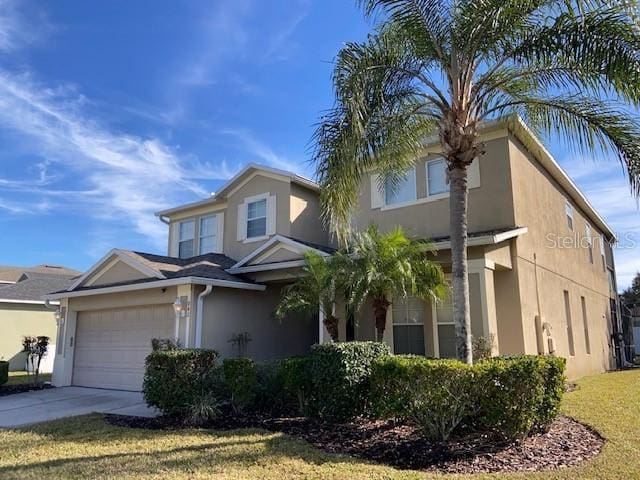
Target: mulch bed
[22,387]
[567,443]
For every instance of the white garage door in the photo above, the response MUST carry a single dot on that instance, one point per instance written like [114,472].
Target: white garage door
[111,345]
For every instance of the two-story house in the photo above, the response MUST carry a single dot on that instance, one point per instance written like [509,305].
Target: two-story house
[541,269]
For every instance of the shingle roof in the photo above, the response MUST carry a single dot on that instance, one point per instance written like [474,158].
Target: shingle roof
[210,265]
[34,286]
[317,246]
[13,274]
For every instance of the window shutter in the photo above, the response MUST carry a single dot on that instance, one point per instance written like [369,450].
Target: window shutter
[376,194]
[220,233]
[174,232]
[271,214]
[474,174]
[242,222]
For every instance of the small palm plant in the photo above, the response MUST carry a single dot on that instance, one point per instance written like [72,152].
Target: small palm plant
[383,266]
[314,291]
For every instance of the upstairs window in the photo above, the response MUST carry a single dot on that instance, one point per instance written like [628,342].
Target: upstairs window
[186,238]
[404,191]
[602,254]
[208,234]
[587,234]
[257,218]
[568,210]
[437,177]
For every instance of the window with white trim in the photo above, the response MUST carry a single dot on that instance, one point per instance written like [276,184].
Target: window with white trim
[257,218]
[602,254]
[437,183]
[404,191]
[208,234]
[408,325]
[587,234]
[567,313]
[445,329]
[186,238]
[568,210]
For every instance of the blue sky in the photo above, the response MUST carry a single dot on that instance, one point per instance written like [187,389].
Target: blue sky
[110,111]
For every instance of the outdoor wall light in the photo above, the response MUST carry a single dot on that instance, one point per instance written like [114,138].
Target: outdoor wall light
[181,306]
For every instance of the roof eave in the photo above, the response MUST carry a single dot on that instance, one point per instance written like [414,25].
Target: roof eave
[156,284]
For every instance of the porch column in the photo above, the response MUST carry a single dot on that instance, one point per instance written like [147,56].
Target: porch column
[63,362]
[485,268]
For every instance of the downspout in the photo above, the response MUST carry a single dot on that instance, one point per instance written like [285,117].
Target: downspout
[199,313]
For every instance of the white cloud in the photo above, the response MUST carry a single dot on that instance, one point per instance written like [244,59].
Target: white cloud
[19,29]
[262,151]
[127,177]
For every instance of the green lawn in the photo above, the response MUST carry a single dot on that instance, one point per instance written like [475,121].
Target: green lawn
[21,377]
[87,448]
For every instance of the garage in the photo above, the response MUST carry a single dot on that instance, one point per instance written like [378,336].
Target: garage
[111,345]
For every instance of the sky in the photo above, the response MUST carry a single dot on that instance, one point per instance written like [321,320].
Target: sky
[110,111]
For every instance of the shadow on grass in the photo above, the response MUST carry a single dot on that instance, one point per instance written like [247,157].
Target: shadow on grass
[86,447]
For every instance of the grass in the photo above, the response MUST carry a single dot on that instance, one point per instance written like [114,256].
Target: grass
[16,378]
[85,447]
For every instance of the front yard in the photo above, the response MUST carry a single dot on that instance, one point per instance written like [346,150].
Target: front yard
[87,448]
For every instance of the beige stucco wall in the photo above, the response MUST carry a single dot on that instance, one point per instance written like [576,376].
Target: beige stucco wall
[229,311]
[297,213]
[306,223]
[489,204]
[149,296]
[539,203]
[18,320]
[119,272]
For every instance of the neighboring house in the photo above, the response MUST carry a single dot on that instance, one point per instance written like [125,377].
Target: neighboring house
[541,269]
[23,312]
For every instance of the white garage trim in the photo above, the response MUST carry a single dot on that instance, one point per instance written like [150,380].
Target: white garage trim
[111,344]
[159,283]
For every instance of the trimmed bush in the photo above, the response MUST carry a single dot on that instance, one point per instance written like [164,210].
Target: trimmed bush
[295,375]
[340,378]
[4,372]
[519,394]
[176,380]
[437,395]
[507,396]
[241,382]
[270,397]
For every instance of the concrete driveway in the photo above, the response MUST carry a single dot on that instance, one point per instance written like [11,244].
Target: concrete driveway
[43,405]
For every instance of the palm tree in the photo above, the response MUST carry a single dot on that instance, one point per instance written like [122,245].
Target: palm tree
[383,266]
[570,68]
[314,291]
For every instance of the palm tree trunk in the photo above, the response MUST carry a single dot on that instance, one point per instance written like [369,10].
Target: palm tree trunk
[460,279]
[331,324]
[380,307]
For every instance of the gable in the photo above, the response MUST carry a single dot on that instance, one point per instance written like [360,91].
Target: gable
[278,253]
[115,271]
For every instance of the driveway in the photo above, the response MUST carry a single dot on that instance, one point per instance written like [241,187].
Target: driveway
[43,405]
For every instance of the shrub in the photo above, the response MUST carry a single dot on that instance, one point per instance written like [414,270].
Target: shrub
[437,395]
[164,344]
[177,379]
[240,382]
[4,372]
[270,396]
[507,396]
[519,394]
[339,375]
[295,376]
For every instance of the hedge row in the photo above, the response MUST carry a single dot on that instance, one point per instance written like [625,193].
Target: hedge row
[508,396]
[339,381]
